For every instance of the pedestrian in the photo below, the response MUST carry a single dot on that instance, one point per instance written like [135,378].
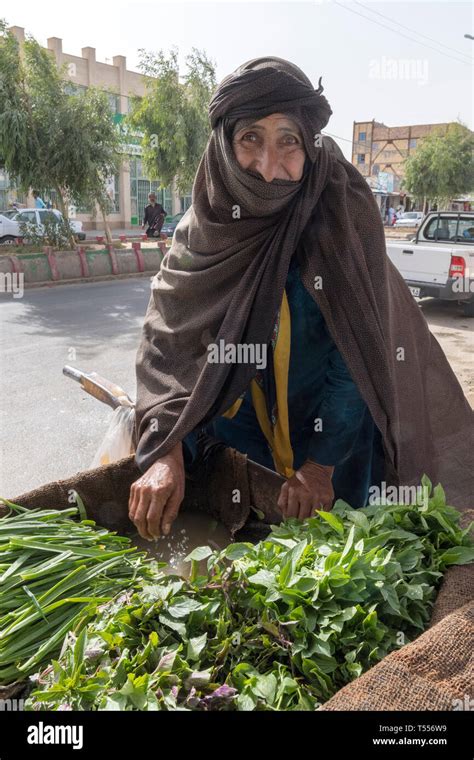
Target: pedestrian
[391,216]
[154,217]
[39,202]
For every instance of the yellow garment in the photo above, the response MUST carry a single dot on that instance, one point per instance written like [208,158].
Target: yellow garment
[278,436]
[232,410]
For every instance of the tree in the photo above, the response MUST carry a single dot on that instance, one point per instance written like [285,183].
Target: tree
[100,151]
[52,138]
[442,166]
[173,116]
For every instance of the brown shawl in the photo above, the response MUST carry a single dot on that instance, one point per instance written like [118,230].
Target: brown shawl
[224,276]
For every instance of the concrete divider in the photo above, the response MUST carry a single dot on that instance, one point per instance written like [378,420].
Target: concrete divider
[50,266]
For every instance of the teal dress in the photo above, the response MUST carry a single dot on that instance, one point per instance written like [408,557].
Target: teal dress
[329,421]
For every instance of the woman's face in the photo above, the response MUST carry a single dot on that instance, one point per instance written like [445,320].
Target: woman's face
[271,147]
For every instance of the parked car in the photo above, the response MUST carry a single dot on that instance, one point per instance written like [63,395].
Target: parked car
[409,219]
[10,228]
[170,224]
[9,212]
[439,260]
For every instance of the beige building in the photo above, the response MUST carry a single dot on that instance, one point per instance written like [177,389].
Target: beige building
[129,189]
[379,152]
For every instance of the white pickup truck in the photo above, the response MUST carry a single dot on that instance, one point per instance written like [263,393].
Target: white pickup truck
[10,228]
[439,260]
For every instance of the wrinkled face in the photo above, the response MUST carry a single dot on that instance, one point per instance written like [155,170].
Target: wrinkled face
[272,147]
[152,198]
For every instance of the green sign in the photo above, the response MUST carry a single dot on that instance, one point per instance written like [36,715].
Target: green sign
[132,144]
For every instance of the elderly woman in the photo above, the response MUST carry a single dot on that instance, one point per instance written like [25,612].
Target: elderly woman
[278,324]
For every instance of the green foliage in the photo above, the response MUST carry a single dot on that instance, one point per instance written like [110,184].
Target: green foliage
[99,153]
[173,115]
[54,574]
[50,138]
[56,232]
[442,167]
[13,109]
[281,625]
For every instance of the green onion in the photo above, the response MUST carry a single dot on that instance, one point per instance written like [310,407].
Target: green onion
[54,574]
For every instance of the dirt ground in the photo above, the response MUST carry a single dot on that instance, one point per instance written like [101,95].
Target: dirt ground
[455,334]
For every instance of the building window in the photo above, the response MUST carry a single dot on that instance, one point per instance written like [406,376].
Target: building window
[413,142]
[74,89]
[167,202]
[85,209]
[114,102]
[134,102]
[362,136]
[185,202]
[361,158]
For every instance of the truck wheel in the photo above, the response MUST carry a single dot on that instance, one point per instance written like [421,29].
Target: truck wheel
[468,308]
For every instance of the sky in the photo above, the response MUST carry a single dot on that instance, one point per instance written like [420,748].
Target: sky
[398,63]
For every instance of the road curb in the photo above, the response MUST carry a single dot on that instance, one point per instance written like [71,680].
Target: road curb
[48,267]
[82,280]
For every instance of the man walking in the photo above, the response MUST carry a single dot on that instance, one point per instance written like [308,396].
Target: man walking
[154,217]
[39,202]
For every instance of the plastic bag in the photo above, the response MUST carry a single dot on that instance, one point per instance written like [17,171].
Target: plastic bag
[118,441]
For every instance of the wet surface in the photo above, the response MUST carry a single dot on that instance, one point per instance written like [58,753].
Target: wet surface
[189,531]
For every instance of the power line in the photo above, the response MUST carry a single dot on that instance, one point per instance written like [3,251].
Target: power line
[342,138]
[355,143]
[413,30]
[385,26]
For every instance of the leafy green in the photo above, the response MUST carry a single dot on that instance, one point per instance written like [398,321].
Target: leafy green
[280,625]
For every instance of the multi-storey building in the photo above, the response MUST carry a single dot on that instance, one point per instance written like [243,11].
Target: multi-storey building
[129,189]
[379,152]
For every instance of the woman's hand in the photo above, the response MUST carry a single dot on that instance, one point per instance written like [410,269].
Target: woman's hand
[310,488]
[156,497]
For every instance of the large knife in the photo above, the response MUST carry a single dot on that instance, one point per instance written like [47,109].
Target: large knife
[265,488]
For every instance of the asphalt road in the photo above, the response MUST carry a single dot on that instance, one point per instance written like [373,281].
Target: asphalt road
[50,428]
